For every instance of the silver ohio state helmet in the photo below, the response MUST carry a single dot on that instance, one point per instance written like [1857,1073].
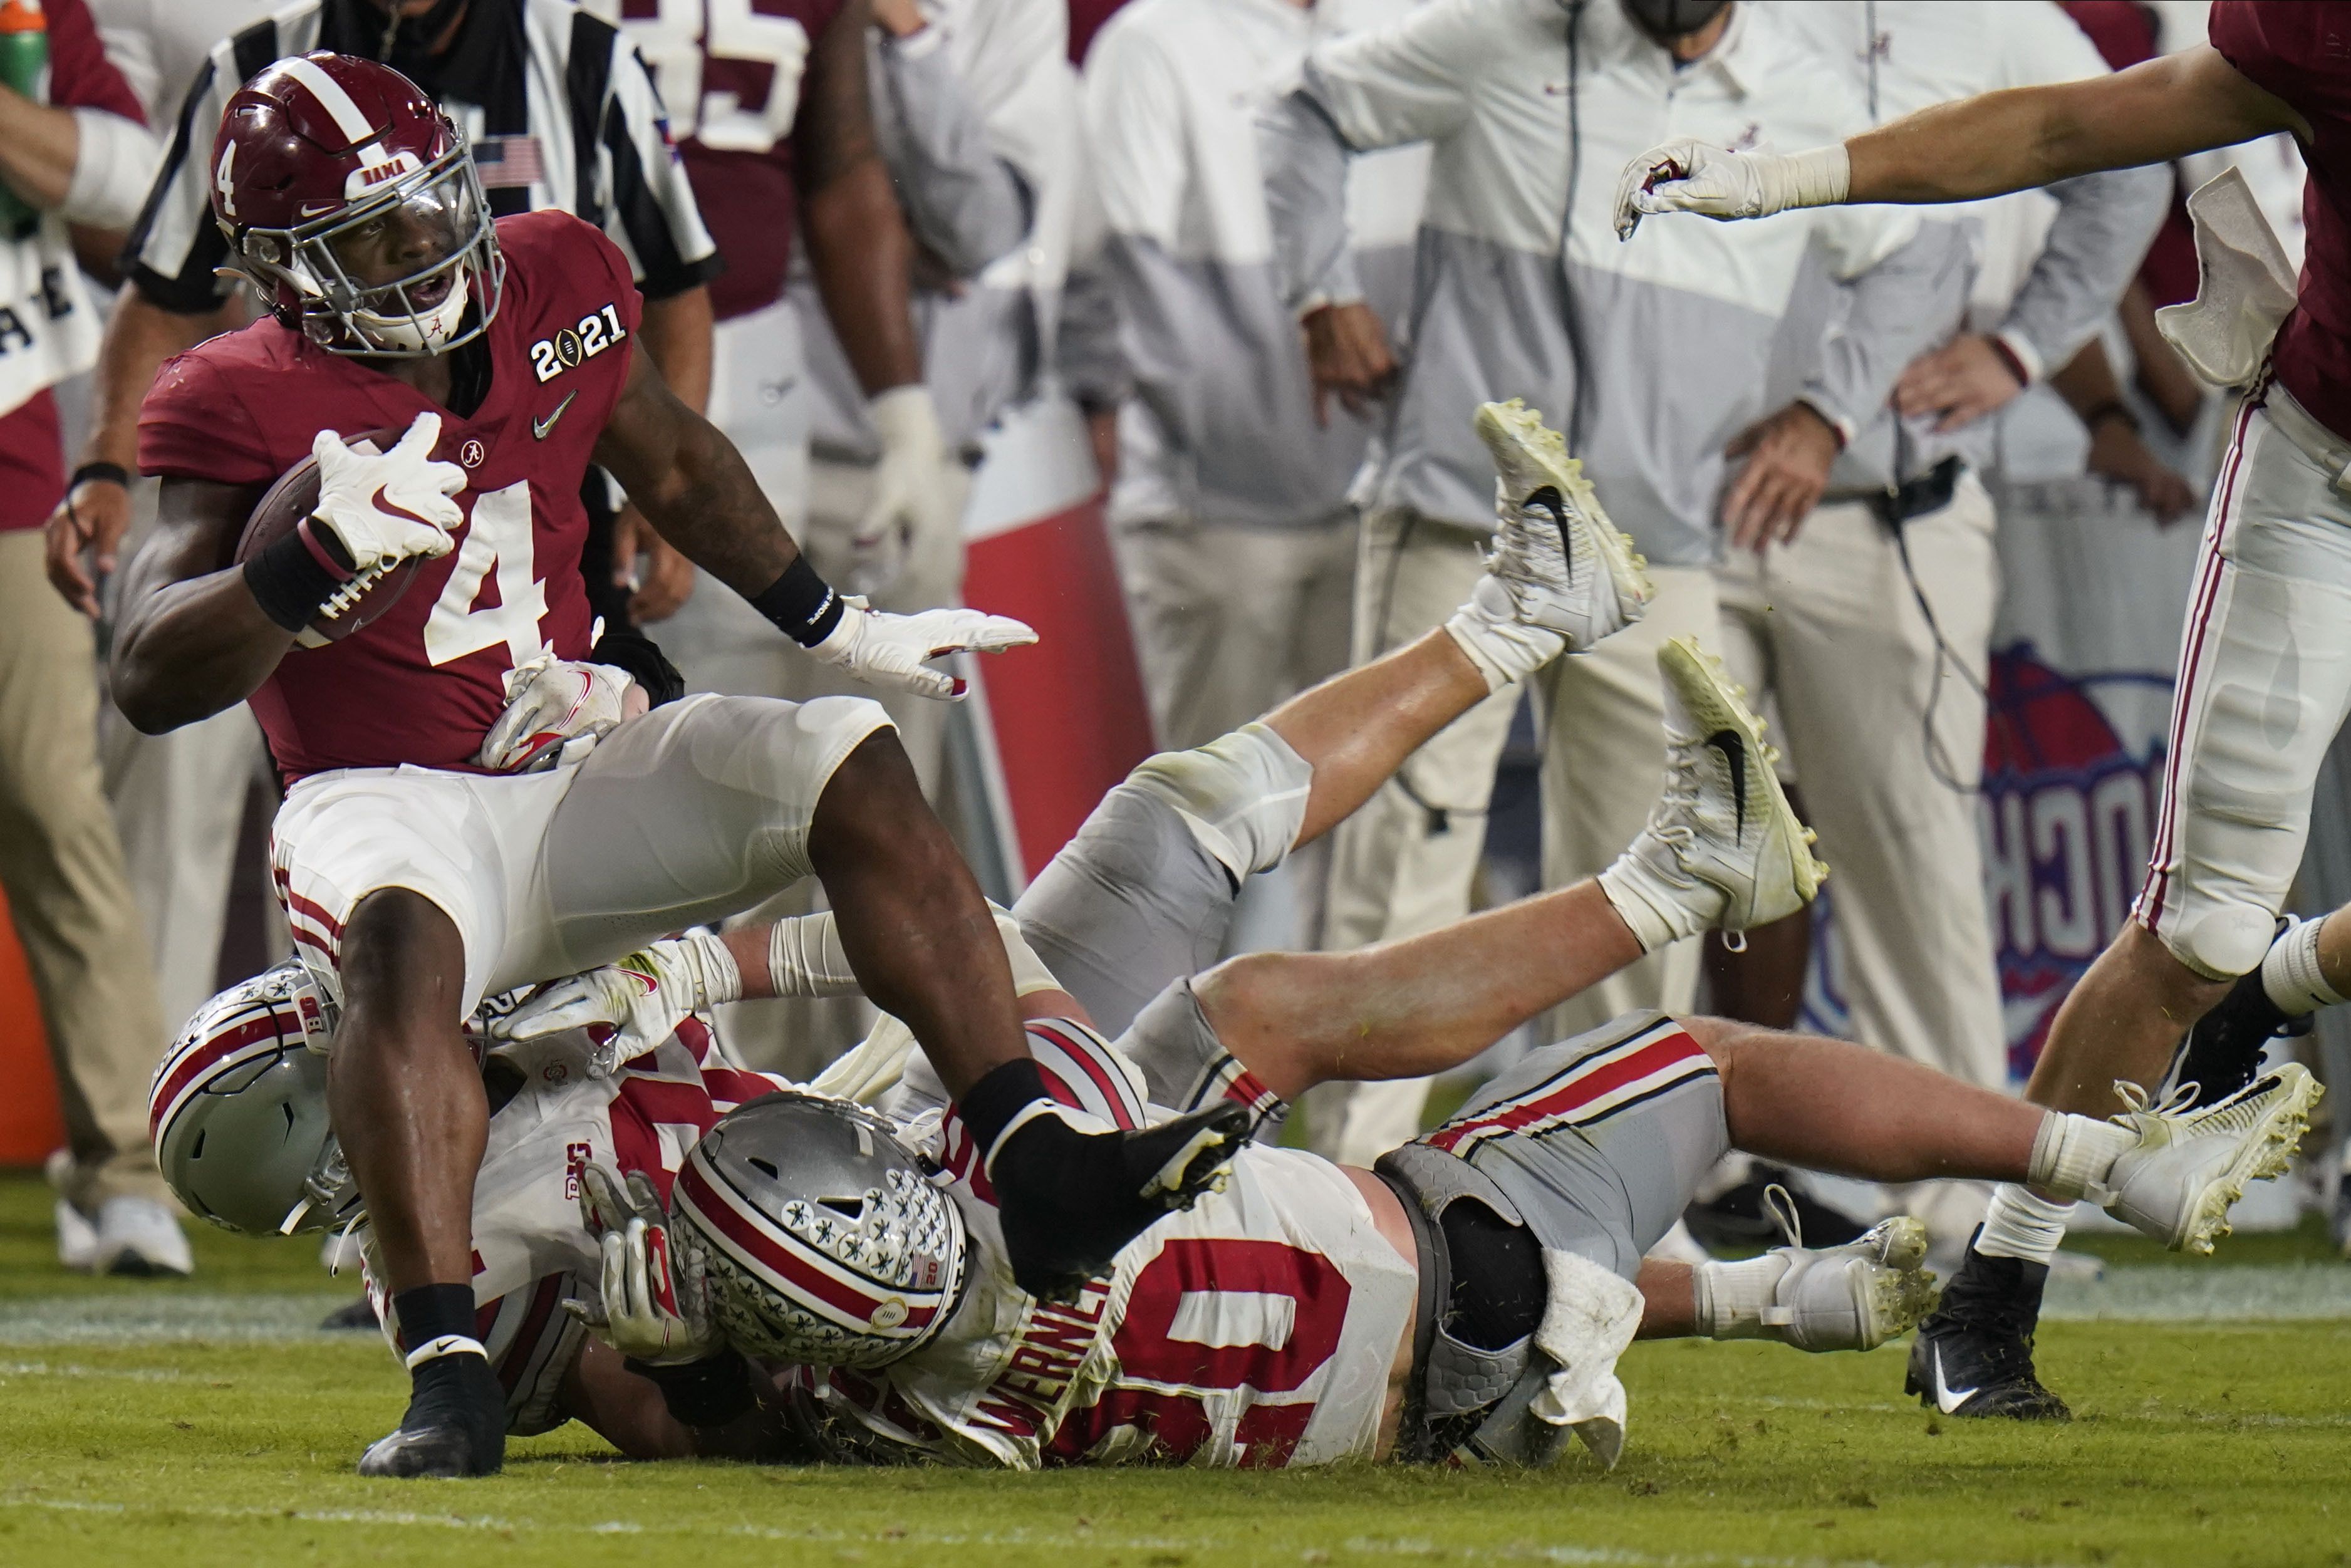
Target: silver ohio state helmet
[823,1237]
[238,1110]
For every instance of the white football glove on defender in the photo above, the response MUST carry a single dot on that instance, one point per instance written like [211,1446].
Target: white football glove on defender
[912,498]
[557,710]
[1688,177]
[383,509]
[656,1303]
[885,650]
[642,999]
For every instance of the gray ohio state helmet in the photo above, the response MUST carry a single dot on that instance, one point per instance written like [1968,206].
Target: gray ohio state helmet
[822,1236]
[238,1110]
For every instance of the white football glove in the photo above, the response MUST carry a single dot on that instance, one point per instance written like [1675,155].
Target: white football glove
[640,999]
[885,650]
[557,710]
[382,510]
[1688,176]
[913,503]
[656,1299]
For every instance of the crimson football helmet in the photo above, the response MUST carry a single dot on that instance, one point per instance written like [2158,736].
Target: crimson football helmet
[351,202]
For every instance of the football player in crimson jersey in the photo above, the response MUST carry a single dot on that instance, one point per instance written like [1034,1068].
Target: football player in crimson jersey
[417,881]
[2246,741]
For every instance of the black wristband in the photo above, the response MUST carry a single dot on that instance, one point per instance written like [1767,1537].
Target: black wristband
[112,472]
[1002,1094]
[289,581]
[711,1392]
[626,648]
[802,605]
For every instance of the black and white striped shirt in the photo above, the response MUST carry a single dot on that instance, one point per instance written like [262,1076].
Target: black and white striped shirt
[558,106]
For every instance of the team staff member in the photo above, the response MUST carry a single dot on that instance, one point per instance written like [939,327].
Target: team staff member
[1235,539]
[2245,744]
[1882,712]
[74,158]
[1653,359]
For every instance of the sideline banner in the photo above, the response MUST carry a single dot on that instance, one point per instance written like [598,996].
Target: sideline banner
[29,1125]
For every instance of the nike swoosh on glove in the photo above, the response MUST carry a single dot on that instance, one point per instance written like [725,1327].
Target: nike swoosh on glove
[640,1000]
[557,710]
[384,508]
[1688,177]
[889,651]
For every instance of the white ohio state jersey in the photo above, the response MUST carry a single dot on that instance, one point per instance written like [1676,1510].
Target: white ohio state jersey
[1258,1329]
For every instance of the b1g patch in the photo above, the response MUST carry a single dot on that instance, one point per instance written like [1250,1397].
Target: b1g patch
[575,346]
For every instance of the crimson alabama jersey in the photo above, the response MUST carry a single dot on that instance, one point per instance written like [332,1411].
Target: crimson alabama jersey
[532,1248]
[730,72]
[1256,1329]
[423,683]
[2302,54]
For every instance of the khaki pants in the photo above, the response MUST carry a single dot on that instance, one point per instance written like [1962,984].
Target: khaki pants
[1230,621]
[61,864]
[1404,864]
[722,644]
[1827,628]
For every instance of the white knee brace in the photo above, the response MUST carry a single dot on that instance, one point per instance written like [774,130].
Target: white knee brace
[1243,795]
[2224,943]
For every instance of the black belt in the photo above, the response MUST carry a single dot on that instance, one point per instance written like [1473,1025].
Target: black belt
[1929,492]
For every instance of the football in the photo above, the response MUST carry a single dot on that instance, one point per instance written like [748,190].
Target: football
[294,497]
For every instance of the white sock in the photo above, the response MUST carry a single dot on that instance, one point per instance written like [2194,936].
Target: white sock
[1657,912]
[1503,649]
[2071,1154]
[2289,972]
[1731,1298]
[2019,1225]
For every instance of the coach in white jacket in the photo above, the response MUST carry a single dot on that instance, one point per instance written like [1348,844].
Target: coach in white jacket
[1236,542]
[1882,711]
[1653,356]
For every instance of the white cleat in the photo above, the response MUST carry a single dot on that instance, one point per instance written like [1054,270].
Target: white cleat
[1873,1289]
[1723,849]
[2190,1168]
[140,1237]
[1561,576]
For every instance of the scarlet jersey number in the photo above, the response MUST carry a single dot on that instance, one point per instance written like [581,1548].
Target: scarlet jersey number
[682,34]
[1214,1325]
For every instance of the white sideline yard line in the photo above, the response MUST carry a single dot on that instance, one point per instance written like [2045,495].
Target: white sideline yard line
[896,1536]
[177,1318]
[2281,1292]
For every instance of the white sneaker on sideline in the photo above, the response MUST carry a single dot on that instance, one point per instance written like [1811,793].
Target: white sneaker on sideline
[77,1240]
[1723,848]
[1559,576]
[2191,1167]
[140,1238]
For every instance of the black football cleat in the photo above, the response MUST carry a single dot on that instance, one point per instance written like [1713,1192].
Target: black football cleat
[455,1425]
[2222,1053]
[1973,1355]
[1737,1222]
[1069,1200]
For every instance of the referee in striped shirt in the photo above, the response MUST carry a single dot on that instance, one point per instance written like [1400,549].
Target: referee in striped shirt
[561,112]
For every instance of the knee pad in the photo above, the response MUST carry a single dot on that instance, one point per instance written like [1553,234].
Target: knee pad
[1243,795]
[2224,943]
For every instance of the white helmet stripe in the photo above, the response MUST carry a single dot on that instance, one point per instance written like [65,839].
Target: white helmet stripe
[331,96]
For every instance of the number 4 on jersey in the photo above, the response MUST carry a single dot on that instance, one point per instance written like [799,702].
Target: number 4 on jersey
[497,539]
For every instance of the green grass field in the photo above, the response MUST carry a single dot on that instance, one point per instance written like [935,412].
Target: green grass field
[185,1420]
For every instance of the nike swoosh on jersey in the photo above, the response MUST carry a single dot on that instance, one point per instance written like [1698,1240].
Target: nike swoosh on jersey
[539,427]
[1733,747]
[1949,1399]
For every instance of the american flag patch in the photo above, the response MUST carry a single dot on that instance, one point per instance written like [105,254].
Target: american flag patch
[508,163]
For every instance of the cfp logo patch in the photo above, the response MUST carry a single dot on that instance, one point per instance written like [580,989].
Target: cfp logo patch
[575,346]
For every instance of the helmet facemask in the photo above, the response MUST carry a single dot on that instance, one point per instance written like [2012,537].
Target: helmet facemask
[394,274]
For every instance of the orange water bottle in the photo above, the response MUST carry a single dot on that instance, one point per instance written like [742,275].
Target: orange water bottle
[24,65]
